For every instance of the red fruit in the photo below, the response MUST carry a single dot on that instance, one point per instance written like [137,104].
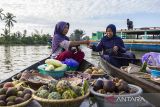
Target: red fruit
[8,84]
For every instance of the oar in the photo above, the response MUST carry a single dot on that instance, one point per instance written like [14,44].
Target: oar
[118,57]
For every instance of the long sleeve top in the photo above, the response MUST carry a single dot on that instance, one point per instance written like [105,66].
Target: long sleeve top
[106,44]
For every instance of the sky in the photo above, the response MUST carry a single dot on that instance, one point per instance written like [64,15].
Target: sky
[88,15]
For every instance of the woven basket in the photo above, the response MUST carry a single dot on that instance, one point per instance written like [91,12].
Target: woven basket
[23,104]
[62,102]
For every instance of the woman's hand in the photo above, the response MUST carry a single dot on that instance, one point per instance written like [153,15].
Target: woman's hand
[115,49]
[87,42]
[90,46]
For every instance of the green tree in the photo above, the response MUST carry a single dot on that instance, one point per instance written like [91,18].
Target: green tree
[72,37]
[77,35]
[86,38]
[9,20]
[24,33]
[5,34]
[1,14]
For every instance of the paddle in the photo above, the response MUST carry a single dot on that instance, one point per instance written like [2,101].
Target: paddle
[118,57]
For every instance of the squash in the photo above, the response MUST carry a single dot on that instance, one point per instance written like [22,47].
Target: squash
[61,68]
[49,68]
[53,62]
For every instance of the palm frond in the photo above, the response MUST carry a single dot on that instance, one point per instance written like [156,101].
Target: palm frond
[14,21]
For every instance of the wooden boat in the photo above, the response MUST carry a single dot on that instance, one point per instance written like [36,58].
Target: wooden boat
[84,65]
[147,85]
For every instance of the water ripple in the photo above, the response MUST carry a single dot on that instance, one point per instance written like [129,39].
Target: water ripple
[17,58]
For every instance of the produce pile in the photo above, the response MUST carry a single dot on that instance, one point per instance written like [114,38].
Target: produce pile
[11,94]
[54,65]
[52,86]
[62,89]
[31,78]
[94,70]
[114,87]
[81,75]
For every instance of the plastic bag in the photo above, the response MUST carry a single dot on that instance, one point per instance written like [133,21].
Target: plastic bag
[71,62]
[152,58]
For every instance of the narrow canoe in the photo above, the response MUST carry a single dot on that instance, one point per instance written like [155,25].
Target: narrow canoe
[150,88]
[84,65]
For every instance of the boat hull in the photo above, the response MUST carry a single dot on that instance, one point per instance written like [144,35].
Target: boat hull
[116,72]
[143,47]
[139,45]
[84,65]
[151,90]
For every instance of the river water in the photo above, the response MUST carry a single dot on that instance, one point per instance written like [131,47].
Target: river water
[16,58]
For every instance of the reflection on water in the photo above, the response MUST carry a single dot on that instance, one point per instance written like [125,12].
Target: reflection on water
[89,57]
[16,58]
[7,59]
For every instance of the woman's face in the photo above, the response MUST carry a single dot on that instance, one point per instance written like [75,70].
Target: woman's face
[109,32]
[65,30]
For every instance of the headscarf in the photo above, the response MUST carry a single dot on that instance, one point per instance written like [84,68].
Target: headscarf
[113,28]
[58,37]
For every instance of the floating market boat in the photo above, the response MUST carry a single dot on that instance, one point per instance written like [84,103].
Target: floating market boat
[82,67]
[141,39]
[147,84]
[143,81]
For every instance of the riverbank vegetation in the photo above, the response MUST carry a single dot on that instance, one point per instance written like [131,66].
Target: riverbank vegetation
[19,37]
[6,37]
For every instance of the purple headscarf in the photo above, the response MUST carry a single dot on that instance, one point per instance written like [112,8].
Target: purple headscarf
[58,37]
